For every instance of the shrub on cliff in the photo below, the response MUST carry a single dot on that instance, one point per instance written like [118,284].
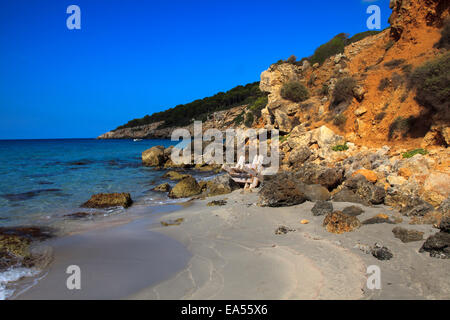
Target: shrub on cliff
[258,105]
[294,91]
[432,83]
[400,125]
[331,48]
[340,120]
[249,118]
[343,91]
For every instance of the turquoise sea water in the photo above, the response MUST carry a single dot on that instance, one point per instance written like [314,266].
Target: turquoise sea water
[45,179]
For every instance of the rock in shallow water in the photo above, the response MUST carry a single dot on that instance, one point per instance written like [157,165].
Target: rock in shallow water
[165,187]
[187,187]
[109,200]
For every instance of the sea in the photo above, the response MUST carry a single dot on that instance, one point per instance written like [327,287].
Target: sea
[43,181]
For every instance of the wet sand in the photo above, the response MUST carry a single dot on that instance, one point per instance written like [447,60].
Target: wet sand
[237,255]
[114,261]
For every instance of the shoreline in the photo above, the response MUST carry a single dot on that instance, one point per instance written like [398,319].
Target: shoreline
[114,257]
[236,255]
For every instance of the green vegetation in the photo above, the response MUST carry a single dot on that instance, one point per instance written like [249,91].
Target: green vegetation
[239,119]
[412,153]
[444,42]
[182,115]
[294,91]
[432,82]
[331,48]
[343,91]
[258,105]
[337,45]
[340,147]
[249,118]
[401,125]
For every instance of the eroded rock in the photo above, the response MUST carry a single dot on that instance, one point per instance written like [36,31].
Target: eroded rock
[109,200]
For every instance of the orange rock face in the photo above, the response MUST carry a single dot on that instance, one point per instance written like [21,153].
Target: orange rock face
[368,174]
[338,222]
[405,173]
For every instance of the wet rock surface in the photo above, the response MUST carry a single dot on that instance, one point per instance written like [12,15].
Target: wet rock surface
[164,187]
[109,200]
[187,187]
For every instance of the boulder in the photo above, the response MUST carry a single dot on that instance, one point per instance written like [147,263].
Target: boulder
[299,156]
[175,176]
[220,185]
[406,235]
[379,218]
[438,245]
[444,226]
[374,194]
[445,206]
[315,192]
[436,188]
[164,187]
[281,190]
[370,175]
[311,173]
[153,157]
[338,222]
[347,195]
[187,187]
[283,122]
[353,211]
[382,253]
[322,208]
[109,200]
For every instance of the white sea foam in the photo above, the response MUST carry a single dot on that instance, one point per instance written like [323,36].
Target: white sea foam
[11,275]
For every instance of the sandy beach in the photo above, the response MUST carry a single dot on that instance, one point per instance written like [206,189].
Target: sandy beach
[237,255]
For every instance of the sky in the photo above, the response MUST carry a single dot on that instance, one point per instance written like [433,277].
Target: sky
[135,57]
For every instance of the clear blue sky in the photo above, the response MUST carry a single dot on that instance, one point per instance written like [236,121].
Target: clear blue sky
[136,57]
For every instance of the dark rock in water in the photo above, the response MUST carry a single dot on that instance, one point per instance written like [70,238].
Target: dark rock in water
[438,245]
[165,187]
[347,195]
[109,200]
[444,226]
[311,173]
[154,156]
[28,195]
[81,215]
[175,175]
[382,253]
[322,208]
[80,163]
[281,190]
[187,187]
[283,230]
[217,203]
[379,218]
[315,192]
[353,211]
[220,185]
[175,222]
[406,235]
[445,206]
[15,245]
[339,223]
